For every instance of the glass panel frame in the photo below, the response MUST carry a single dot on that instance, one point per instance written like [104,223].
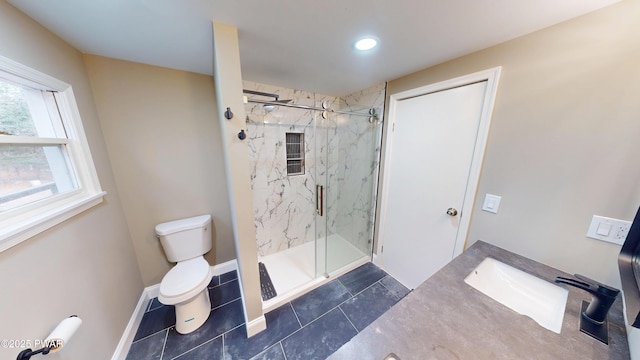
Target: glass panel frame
[320,176]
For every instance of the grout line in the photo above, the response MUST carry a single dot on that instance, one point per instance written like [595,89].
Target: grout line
[288,336]
[314,320]
[203,344]
[150,335]
[167,329]
[220,284]
[363,290]
[344,287]
[302,327]
[282,348]
[170,326]
[351,296]
[380,281]
[296,314]
[230,330]
[164,344]
[224,356]
[333,308]
[337,306]
[392,292]
[226,282]
[211,287]
[349,320]
[263,352]
[150,310]
[225,304]
[358,293]
[223,352]
[235,327]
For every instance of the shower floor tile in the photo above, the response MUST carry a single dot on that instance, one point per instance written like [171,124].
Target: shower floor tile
[310,327]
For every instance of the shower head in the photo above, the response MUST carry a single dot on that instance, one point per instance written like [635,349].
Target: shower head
[275,96]
[282,101]
[270,107]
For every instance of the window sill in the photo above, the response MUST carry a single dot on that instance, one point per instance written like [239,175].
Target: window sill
[13,234]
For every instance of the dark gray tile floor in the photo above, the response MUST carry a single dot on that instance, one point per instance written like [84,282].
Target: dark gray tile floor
[312,326]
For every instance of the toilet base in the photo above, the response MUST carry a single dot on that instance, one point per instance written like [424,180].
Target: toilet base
[190,315]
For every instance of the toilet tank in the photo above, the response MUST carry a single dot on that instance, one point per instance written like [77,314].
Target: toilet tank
[185,239]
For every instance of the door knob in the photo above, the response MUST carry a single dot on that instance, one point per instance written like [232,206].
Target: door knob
[452,212]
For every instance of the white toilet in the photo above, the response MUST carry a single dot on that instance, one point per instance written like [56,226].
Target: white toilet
[185,241]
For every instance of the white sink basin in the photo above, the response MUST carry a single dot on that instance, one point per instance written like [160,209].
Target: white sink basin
[523,293]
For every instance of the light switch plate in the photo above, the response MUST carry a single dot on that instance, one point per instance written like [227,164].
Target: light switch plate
[491,203]
[608,229]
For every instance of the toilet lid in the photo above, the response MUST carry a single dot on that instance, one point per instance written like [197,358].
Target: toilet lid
[185,276]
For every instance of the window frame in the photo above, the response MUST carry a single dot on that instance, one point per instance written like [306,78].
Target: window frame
[22,223]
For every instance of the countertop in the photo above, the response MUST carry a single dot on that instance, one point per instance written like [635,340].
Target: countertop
[444,318]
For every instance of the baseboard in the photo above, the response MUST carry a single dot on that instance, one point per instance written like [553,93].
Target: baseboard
[256,325]
[225,267]
[134,322]
[151,292]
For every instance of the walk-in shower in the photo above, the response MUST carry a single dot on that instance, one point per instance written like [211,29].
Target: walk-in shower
[314,169]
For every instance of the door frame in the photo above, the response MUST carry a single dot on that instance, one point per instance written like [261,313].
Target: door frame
[492,77]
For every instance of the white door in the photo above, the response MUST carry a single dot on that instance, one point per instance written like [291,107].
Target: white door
[432,147]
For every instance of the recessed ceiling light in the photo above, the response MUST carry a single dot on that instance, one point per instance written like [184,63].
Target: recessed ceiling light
[367,43]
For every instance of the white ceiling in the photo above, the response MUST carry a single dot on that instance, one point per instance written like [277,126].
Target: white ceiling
[300,44]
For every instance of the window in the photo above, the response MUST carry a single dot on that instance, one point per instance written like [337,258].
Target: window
[46,171]
[295,153]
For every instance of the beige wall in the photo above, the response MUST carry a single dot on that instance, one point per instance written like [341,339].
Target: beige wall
[86,265]
[162,134]
[564,141]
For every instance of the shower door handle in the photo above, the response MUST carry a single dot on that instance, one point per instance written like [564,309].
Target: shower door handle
[319,199]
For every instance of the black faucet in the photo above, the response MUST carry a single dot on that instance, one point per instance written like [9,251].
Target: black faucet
[593,316]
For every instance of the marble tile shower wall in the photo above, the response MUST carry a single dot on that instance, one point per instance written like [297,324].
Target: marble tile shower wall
[284,206]
[359,153]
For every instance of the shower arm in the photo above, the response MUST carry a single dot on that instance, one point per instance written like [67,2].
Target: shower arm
[260,93]
[371,114]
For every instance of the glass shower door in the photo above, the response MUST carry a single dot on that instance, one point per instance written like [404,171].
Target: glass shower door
[322,190]
[346,177]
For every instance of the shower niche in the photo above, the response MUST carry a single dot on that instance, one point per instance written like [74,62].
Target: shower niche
[314,177]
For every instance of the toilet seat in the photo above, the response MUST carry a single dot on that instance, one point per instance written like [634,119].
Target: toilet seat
[184,281]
